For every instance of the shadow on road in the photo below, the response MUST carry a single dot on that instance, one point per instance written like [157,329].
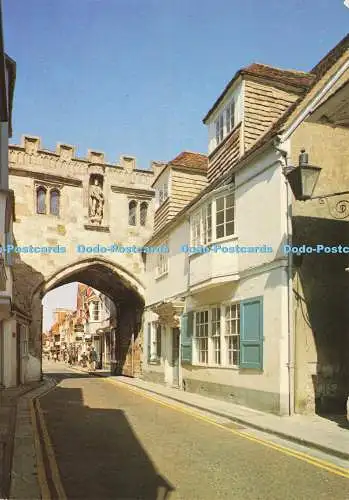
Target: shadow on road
[98,454]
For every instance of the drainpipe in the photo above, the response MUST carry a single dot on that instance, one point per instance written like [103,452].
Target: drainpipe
[290,330]
[132,353]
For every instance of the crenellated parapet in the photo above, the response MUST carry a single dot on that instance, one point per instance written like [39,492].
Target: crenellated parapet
[31,156]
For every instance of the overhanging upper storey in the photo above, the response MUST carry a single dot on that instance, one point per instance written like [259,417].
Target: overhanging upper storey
[248,107]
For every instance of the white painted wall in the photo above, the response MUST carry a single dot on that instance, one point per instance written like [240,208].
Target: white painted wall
[261,210]
[272,285]
[175,281]
[213,265]
[149,317]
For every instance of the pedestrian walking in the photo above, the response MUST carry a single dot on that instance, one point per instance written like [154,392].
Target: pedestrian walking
[84,359]
[55,357]
[93,359]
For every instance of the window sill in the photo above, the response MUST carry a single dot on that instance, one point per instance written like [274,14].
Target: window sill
[225,139]
[54,216]
[160,276]
[221,367]
[225,239]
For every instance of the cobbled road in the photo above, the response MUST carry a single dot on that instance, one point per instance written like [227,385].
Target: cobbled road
[112,443]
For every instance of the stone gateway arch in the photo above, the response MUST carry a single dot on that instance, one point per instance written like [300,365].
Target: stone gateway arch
[72,216]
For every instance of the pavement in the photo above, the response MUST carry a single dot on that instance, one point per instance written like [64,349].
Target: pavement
[109,440]
[329,434]
[9,399]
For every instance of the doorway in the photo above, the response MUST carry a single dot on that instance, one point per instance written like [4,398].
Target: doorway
[18,355]
[175,357]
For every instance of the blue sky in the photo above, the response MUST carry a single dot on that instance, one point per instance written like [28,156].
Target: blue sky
[136,77]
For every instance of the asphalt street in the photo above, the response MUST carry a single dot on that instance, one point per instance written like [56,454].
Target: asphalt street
[108,442]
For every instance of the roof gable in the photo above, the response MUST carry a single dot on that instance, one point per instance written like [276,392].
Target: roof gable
[299,80]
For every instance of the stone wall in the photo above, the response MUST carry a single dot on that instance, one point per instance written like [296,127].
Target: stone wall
[321,285]
[122,274]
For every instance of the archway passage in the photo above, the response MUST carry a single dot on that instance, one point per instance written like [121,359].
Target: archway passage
[123,289]
[66,207]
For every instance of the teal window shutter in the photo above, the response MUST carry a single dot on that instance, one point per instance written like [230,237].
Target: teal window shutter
[158,342]
[251,334]
[149,341]
[186,337]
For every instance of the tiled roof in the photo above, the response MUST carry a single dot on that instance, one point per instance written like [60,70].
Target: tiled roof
[191,161]
[326,62]
[287,76]
[300,79]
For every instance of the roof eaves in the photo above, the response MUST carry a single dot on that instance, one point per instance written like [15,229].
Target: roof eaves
[160,174]
[223,94]
[179,166]
[12,69]
[330,58]
[250,72]
[284,80]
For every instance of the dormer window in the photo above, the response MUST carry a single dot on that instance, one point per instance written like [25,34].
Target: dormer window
[225,122]
[230,116]
[162,193]
[219,129]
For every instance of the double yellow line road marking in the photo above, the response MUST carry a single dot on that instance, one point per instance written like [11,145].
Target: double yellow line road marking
[48,473]
[323,464]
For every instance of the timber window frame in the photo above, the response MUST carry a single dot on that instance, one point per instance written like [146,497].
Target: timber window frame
[162,193]
[226,335]
[225,121]
[214,220]
[213,335]
[96,310]
[162,262]
[230,117]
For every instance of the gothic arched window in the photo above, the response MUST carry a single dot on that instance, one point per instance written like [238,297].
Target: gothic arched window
[132,207]
[143,213]
[54,202]
[41,200]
